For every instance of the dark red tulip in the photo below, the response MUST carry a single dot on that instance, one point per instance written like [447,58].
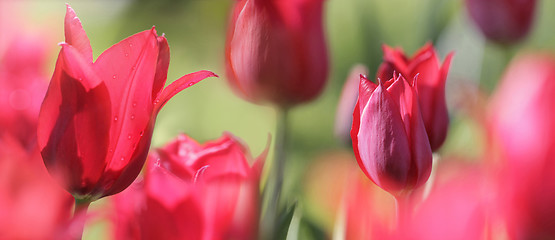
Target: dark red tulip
[193,191]
[503,21]
[521,127]
[430,85]
[96,121]
[276,51]
[389,137]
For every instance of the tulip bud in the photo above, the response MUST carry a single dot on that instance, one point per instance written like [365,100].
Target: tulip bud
[502,21]
[389,137]
[193,191]
[96,120]
[430,85]
[276,52]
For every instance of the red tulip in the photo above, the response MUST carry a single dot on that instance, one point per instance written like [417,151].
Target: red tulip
[430,85]
[502,21]
[276,52]
[96,121]
[522,126]
[389,137]
[193,191]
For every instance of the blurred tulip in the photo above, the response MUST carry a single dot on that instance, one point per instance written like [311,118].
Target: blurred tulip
[389,137]
[522,126]
[370,211]
[276,51]
[32,205]
[193,191]
[455,209]
[502,21]
[430,85]
[96,121]
[23,85]
[347,102]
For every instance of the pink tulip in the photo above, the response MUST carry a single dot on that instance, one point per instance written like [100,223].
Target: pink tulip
[522,126]
[193,191]
[32,205]
[389,137]
[276,52]
[97,118]
[430,85]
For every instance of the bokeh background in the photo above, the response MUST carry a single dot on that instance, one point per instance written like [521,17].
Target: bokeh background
[355,31]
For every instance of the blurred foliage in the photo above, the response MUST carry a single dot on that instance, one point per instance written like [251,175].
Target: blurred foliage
[356,29]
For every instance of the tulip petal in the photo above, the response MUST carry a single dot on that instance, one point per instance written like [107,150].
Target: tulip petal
[354,137]
[76,36]
[397,59]
[421,165]
[179,85]
[73,116]
[365,90]
[162,66]
[383,144]
[128,69]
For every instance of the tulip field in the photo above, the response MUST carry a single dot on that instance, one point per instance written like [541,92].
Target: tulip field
[277,119]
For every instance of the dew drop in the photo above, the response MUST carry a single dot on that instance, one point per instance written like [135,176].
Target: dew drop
[156,101]
[111,150]
[191,84]
[141,133]
[114,77]
[115,118]
[132,117]
[134,104]
[122,159]
[129,137]
[80,79]
[127,54]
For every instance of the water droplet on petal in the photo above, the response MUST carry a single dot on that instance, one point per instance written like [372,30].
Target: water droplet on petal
[129,137]
[127,54]
[132,117]
[134,104]
[141,133]
[115,118]
[122,159]
[191,84]
[114,77]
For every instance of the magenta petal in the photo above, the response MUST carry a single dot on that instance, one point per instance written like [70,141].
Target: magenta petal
[382,142]
[179,85]
[76,36]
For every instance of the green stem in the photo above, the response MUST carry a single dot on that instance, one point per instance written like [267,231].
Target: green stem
[274,184]
[79,214]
